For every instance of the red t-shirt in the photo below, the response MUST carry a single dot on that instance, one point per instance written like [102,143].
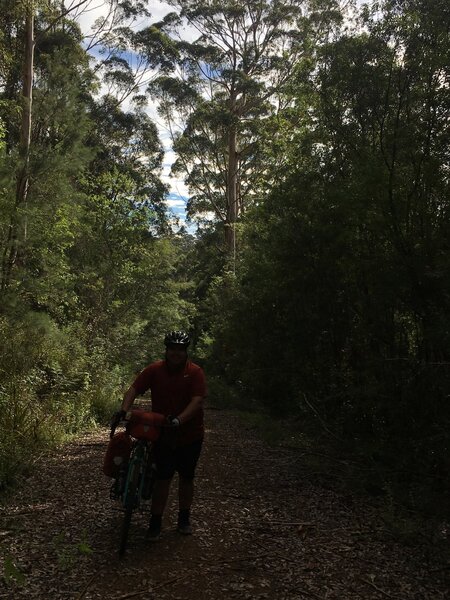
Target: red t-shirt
[172,392]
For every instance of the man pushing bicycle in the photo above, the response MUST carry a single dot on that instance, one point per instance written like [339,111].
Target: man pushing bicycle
[178,389]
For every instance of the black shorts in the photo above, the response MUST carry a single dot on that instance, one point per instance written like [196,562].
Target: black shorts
[182,460]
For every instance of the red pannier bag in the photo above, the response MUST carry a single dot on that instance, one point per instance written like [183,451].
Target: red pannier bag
[145,425]
[117,454]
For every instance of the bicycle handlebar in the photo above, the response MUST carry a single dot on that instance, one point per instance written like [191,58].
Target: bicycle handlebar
[114,426]
[158,420]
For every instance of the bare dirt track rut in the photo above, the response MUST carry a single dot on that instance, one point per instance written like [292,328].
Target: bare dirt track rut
[264,528]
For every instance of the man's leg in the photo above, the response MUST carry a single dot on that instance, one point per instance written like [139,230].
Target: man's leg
[187,458]
[160,495]
[159,501]
[185,497]
[164,458]
[185,493]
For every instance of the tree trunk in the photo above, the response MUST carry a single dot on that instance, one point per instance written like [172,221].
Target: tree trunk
[232,193]
[22,176]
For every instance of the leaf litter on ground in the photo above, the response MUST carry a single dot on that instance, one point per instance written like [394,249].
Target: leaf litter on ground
[264,528]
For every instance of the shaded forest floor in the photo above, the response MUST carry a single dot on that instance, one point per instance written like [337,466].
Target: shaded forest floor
[265,527]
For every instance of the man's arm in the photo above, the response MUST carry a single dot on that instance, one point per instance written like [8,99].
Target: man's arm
[191,409]
[128,398]
[120,415]
[198,391]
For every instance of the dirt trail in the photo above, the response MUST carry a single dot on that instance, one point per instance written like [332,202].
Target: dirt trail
[262,530]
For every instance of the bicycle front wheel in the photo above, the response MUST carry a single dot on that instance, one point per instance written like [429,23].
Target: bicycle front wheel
[130,499]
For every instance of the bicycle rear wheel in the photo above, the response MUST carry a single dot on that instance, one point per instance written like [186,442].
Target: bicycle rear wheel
[130,500]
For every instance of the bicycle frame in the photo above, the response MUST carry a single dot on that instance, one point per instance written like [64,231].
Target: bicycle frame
[137,478]
[138,461]
[139,475]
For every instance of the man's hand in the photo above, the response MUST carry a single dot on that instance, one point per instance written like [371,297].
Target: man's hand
[173,422]
[116,418]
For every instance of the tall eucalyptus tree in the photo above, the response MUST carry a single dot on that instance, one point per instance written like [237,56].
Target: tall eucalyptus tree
[226,84]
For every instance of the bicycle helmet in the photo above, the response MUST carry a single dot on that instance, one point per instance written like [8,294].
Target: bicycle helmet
[179,338]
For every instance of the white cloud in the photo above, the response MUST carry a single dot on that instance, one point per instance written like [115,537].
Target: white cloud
[88,13]
[159,9]
[169,155]
[176,203]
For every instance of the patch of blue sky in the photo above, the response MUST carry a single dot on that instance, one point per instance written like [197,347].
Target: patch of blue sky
[176,213]
[176,204]
[176,200]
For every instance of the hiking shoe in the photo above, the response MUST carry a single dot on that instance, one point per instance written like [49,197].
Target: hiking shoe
[184,528]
